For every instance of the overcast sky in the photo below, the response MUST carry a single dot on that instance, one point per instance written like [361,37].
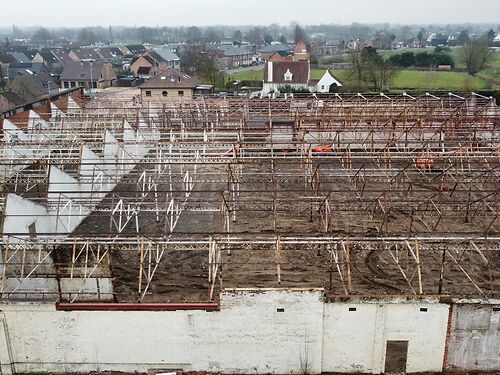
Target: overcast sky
[243,12]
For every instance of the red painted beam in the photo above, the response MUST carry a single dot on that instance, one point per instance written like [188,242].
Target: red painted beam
[96,306]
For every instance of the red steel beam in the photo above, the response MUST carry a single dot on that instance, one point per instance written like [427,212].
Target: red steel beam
[96,306]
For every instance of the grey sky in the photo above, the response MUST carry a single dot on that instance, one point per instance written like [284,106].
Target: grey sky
[243,12]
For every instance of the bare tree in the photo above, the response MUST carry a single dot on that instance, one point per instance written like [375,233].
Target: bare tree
[475,55]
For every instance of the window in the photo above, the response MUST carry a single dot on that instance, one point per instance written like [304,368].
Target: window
[66,84]
[148,93]
[164,93]
[288,76]
[94,84]
[73,84]
[180,93]
[81,84]
[32,231]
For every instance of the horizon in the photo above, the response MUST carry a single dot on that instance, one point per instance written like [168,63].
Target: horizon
[229,13]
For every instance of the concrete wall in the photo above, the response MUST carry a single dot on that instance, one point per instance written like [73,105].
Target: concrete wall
[265,331]
[474,338]
[355,341]
[248,335]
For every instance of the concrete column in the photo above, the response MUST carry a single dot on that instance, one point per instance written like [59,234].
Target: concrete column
[6,361]
[379,339]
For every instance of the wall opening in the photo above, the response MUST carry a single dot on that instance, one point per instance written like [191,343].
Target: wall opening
[396,355]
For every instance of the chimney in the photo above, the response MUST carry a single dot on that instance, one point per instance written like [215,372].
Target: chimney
[269,71]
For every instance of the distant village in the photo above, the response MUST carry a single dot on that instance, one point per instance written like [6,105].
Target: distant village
[31,68]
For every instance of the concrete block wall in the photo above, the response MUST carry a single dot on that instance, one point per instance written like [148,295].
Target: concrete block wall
[255,331]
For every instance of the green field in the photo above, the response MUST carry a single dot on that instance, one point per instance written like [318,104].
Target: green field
[406,79]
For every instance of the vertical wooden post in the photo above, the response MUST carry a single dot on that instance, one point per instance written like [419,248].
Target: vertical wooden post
[141,264]
[348,258]
[441,274]
[419,269]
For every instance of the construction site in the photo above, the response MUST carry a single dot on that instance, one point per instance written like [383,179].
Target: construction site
[337,233]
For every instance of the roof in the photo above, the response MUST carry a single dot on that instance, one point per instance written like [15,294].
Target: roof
[36,85]
[136,49]
[280,56]
[298,69]
[166,54]
[237,51]
[171,78]
[149,60]
[16,69]
[275,48]
[81,71]
[61,54]
[12,97]
[20,57]
[301,47]
[48,57]
[109,52]
[86,54]
[153,57]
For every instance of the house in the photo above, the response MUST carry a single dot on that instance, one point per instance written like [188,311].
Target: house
[84,54]
[327,83]
[34,87]
[415,43]
[170,57]
[8,100]
[110,53]
[46,57]
[22,69]
[301,52]
[19,57]
[153,62]
[436,39]
[358,44]
[96,75]
[280,56]
[295,74]
[232,57]
[134,49]
[171,84]
[267,51]
[52,58]
[61,54]
[148,65]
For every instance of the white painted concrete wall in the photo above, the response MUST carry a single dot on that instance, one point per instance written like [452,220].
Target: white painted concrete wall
[355,341]
[475,337]
[248,335]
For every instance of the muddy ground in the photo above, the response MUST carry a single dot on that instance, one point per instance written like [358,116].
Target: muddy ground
[182,275]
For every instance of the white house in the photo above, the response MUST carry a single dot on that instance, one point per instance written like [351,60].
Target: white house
[281,74]
[327,81]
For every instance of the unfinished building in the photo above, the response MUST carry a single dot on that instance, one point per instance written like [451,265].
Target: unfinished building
[334,234]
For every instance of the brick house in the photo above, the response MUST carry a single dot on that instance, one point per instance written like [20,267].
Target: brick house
[97,75]
[169,84]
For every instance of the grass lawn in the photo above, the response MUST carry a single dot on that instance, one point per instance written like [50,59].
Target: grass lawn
[405,79]
[437,81]
[258,75]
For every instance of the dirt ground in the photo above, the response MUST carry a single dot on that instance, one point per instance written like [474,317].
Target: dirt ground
[183,275]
